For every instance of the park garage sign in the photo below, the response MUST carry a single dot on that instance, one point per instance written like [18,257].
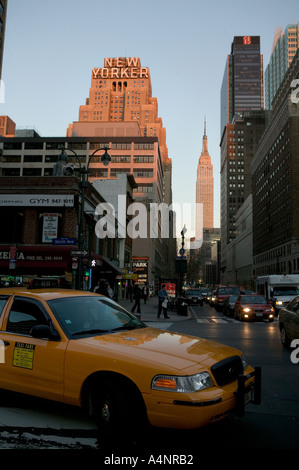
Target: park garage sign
[36,200]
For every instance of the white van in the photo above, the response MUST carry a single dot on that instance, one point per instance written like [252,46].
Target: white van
[280,288]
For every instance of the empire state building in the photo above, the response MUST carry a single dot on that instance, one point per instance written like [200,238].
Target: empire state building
[205,184]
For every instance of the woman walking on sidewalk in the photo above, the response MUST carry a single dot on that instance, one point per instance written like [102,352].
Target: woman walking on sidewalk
[162,298]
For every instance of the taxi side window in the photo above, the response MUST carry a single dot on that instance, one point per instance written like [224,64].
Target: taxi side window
[3,300]
[23,316]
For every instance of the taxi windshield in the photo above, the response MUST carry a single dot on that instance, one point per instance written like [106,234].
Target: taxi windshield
[92,315]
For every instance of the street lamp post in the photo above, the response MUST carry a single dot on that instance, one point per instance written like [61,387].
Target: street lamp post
[83,171]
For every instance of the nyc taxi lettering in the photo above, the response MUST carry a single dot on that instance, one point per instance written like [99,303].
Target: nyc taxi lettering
[23,355]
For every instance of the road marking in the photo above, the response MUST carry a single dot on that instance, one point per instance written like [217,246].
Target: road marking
[216,320]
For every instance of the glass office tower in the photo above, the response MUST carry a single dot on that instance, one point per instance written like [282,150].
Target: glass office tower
[242,86]
[284,49]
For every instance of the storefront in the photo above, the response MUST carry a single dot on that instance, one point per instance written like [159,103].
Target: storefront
[20,263]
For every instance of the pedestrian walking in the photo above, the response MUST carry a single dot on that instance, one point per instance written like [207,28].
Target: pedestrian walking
[110,291]
[145,293]
[137,295]
[131,292]
[162,299]
[102,289]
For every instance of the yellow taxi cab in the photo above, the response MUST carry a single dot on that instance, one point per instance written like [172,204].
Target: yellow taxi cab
[83,349]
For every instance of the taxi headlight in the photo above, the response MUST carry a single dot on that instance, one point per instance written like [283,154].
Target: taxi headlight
[183,384]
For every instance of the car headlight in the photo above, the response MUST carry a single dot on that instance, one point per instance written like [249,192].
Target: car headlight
[246,309]
[183,384]
[279,302]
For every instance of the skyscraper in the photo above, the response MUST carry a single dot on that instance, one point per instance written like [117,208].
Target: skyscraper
[242,86]
[121,106]
[284,48]
[205,184]
[3,10]
[242,123]
[121,93]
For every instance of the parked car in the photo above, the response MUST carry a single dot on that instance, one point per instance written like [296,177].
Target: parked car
[253,307]
[85,350]
[194,296]
[288,321]
[222,292]
[229,305]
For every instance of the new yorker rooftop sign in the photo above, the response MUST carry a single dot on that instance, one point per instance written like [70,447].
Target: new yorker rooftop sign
[121,67]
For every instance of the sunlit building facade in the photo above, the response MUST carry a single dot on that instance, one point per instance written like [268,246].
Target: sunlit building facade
[205,184]
[285,45]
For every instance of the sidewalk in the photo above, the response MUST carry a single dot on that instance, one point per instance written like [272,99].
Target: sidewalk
[149,312]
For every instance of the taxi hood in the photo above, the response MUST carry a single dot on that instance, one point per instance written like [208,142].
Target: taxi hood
[162,347]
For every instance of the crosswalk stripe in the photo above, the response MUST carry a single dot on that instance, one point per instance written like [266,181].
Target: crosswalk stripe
[215,320]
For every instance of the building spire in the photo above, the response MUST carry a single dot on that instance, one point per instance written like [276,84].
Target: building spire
[205,152]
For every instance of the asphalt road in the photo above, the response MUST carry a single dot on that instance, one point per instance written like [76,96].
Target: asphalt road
[273,425]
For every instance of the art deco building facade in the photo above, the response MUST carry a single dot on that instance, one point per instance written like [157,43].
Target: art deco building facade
[284,49]
[120,104]
[205,184]
[121,92]
[121,114]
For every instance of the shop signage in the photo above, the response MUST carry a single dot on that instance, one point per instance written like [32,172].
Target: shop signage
[50,227]
[64,241]
[32,257]
[80,253]
[37,200]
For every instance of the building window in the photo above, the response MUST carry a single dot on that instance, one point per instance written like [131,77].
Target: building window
[12,230]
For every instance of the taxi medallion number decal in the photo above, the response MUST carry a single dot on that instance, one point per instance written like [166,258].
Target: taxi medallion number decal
[23,355]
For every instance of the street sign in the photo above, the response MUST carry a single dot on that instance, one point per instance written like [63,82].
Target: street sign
[64,241]
[80,253]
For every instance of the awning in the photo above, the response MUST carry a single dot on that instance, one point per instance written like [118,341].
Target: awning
[112,265]
[104,262]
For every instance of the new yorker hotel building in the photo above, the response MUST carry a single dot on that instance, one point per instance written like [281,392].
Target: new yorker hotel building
[121,93]
[119,113]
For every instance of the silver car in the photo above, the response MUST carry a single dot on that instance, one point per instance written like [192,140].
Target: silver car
[288,320]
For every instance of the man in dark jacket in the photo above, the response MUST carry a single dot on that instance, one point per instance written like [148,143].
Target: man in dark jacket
[137,296]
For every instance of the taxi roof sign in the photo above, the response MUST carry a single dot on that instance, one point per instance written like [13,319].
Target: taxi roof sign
[43,283]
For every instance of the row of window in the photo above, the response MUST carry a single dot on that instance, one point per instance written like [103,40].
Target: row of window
[74,145]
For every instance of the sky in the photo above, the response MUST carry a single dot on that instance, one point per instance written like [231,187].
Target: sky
[51,47]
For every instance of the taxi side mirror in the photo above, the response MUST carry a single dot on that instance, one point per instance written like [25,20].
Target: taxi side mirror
[44,331]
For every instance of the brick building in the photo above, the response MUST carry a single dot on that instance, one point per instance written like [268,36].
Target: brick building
[40,223]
